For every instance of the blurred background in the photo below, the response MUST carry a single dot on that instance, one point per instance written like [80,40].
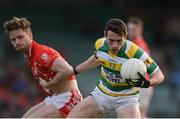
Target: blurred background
[72,27]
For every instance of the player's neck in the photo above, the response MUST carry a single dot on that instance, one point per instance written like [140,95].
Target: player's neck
[135,37]
[28,49]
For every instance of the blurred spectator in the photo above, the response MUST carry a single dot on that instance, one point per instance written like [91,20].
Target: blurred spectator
[16,93]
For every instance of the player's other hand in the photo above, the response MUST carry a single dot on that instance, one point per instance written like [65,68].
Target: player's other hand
[43,82]
[140,82]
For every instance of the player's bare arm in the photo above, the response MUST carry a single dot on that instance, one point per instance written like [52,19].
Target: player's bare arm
[156,78]
[63,69]
[91,62]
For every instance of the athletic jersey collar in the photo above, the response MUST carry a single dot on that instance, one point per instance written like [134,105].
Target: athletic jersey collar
[123,48]
[33,45]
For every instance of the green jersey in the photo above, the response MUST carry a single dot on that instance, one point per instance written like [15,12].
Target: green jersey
[111,82]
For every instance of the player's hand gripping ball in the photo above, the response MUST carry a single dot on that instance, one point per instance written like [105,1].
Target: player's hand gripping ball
[134,72]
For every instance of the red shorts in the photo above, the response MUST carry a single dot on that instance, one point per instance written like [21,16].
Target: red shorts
[65,102]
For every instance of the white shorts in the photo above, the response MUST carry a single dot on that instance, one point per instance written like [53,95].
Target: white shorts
[64,101]
[145,96]
[108,103]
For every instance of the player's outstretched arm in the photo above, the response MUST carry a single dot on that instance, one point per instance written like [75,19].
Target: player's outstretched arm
[91,62]
[156,78]
[63,69]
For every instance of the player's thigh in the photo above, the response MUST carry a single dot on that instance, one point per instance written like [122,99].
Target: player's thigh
[129,111]
[34,109]
[145,96]
[48,111]
[86,108]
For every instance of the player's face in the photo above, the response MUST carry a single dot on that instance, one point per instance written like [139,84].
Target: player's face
[114,41]
[20,39]
[133,30]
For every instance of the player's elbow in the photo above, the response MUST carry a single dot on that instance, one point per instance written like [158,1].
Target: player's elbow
[160,77]
[68,71]
[157,78]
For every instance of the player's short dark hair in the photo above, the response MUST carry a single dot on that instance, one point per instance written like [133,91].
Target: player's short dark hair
[116,26]
[17,23]
[136,20]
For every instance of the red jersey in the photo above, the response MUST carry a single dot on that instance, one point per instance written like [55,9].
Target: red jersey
[142,44]
[40,60]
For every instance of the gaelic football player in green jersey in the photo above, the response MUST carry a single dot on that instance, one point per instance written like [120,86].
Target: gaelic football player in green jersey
[112,93]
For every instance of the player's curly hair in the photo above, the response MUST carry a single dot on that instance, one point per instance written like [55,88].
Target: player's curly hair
[117,26]
[17,23]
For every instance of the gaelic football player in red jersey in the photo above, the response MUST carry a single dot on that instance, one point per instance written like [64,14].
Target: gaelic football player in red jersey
[135,34]
[53,74]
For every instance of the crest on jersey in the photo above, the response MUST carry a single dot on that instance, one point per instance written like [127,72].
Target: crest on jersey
[44,56]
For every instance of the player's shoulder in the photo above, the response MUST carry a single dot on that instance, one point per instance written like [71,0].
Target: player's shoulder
[130,44]
[99,43]
[131,48]
[45,53]
[46,49]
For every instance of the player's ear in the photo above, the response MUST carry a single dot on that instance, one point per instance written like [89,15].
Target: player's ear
[30,34]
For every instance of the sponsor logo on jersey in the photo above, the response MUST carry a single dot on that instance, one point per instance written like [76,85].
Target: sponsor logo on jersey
[115,78]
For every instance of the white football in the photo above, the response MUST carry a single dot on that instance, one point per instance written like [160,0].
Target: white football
[131,67]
